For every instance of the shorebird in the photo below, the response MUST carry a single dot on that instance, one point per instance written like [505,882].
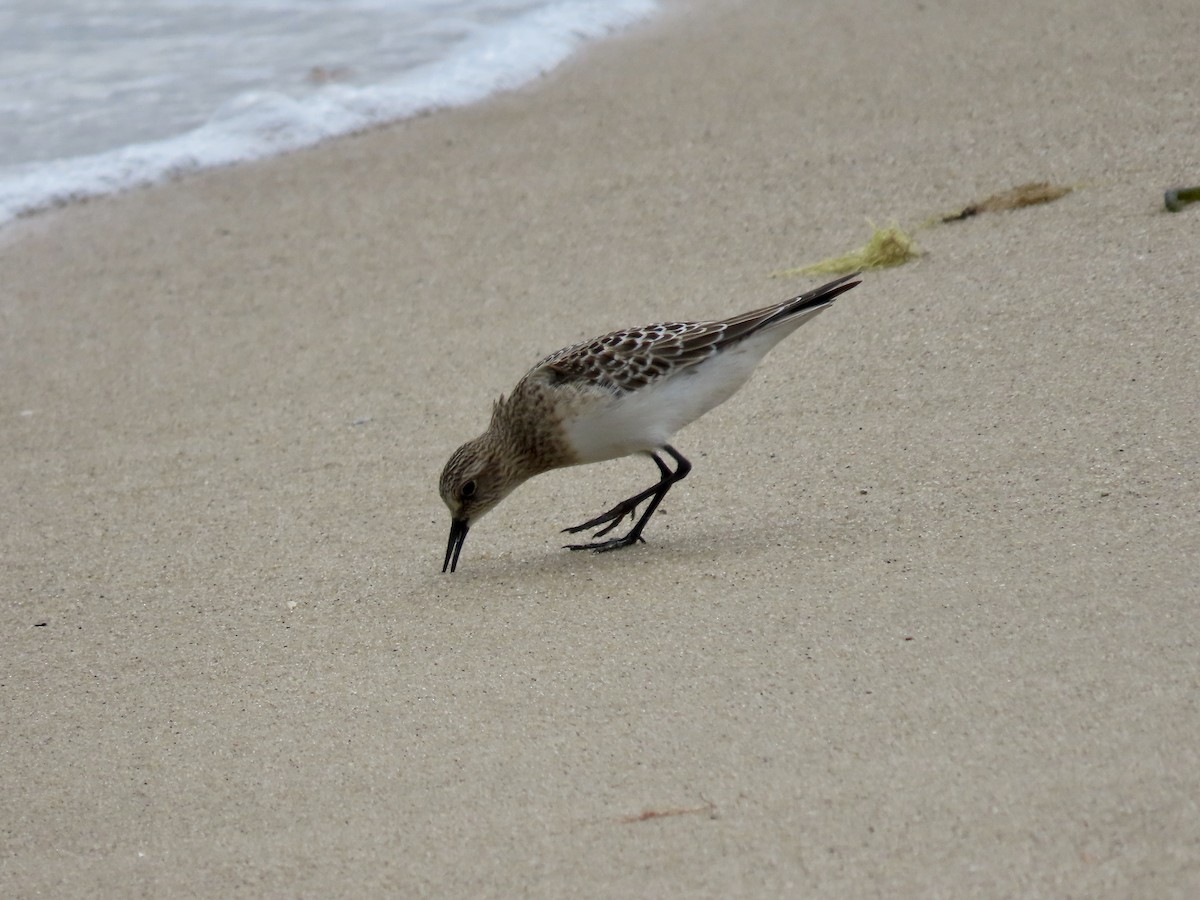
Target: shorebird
[622,393]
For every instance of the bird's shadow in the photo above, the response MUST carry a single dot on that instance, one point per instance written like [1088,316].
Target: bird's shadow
[708,545]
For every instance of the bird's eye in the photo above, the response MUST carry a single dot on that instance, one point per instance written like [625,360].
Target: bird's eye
[468,490]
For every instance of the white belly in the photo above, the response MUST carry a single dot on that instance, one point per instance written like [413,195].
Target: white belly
[647,418]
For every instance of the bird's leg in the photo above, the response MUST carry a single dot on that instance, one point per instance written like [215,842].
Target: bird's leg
[625,507]
[628,507]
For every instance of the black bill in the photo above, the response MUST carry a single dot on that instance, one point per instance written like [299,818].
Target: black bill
[458,534]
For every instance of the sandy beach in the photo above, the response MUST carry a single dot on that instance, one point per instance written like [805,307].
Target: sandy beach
[924,621]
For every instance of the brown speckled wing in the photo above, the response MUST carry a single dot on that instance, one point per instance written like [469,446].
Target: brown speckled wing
[628,360]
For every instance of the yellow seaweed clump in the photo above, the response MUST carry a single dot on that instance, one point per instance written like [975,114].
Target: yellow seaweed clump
[891,246]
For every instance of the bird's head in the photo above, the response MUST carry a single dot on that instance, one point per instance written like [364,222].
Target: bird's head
[475,479]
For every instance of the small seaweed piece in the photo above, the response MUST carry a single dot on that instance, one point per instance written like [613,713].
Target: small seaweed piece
[891,246]
[648,814]
[1177,198]
[1030,194]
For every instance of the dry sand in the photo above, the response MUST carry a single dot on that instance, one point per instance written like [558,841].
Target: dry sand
[922,622]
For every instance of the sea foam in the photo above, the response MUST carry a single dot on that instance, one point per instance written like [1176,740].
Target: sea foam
[254,125]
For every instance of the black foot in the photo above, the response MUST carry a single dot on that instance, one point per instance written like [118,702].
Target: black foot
[613,517]
[604,546]
[617,514]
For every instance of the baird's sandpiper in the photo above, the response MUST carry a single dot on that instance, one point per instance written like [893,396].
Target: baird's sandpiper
[626,392]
